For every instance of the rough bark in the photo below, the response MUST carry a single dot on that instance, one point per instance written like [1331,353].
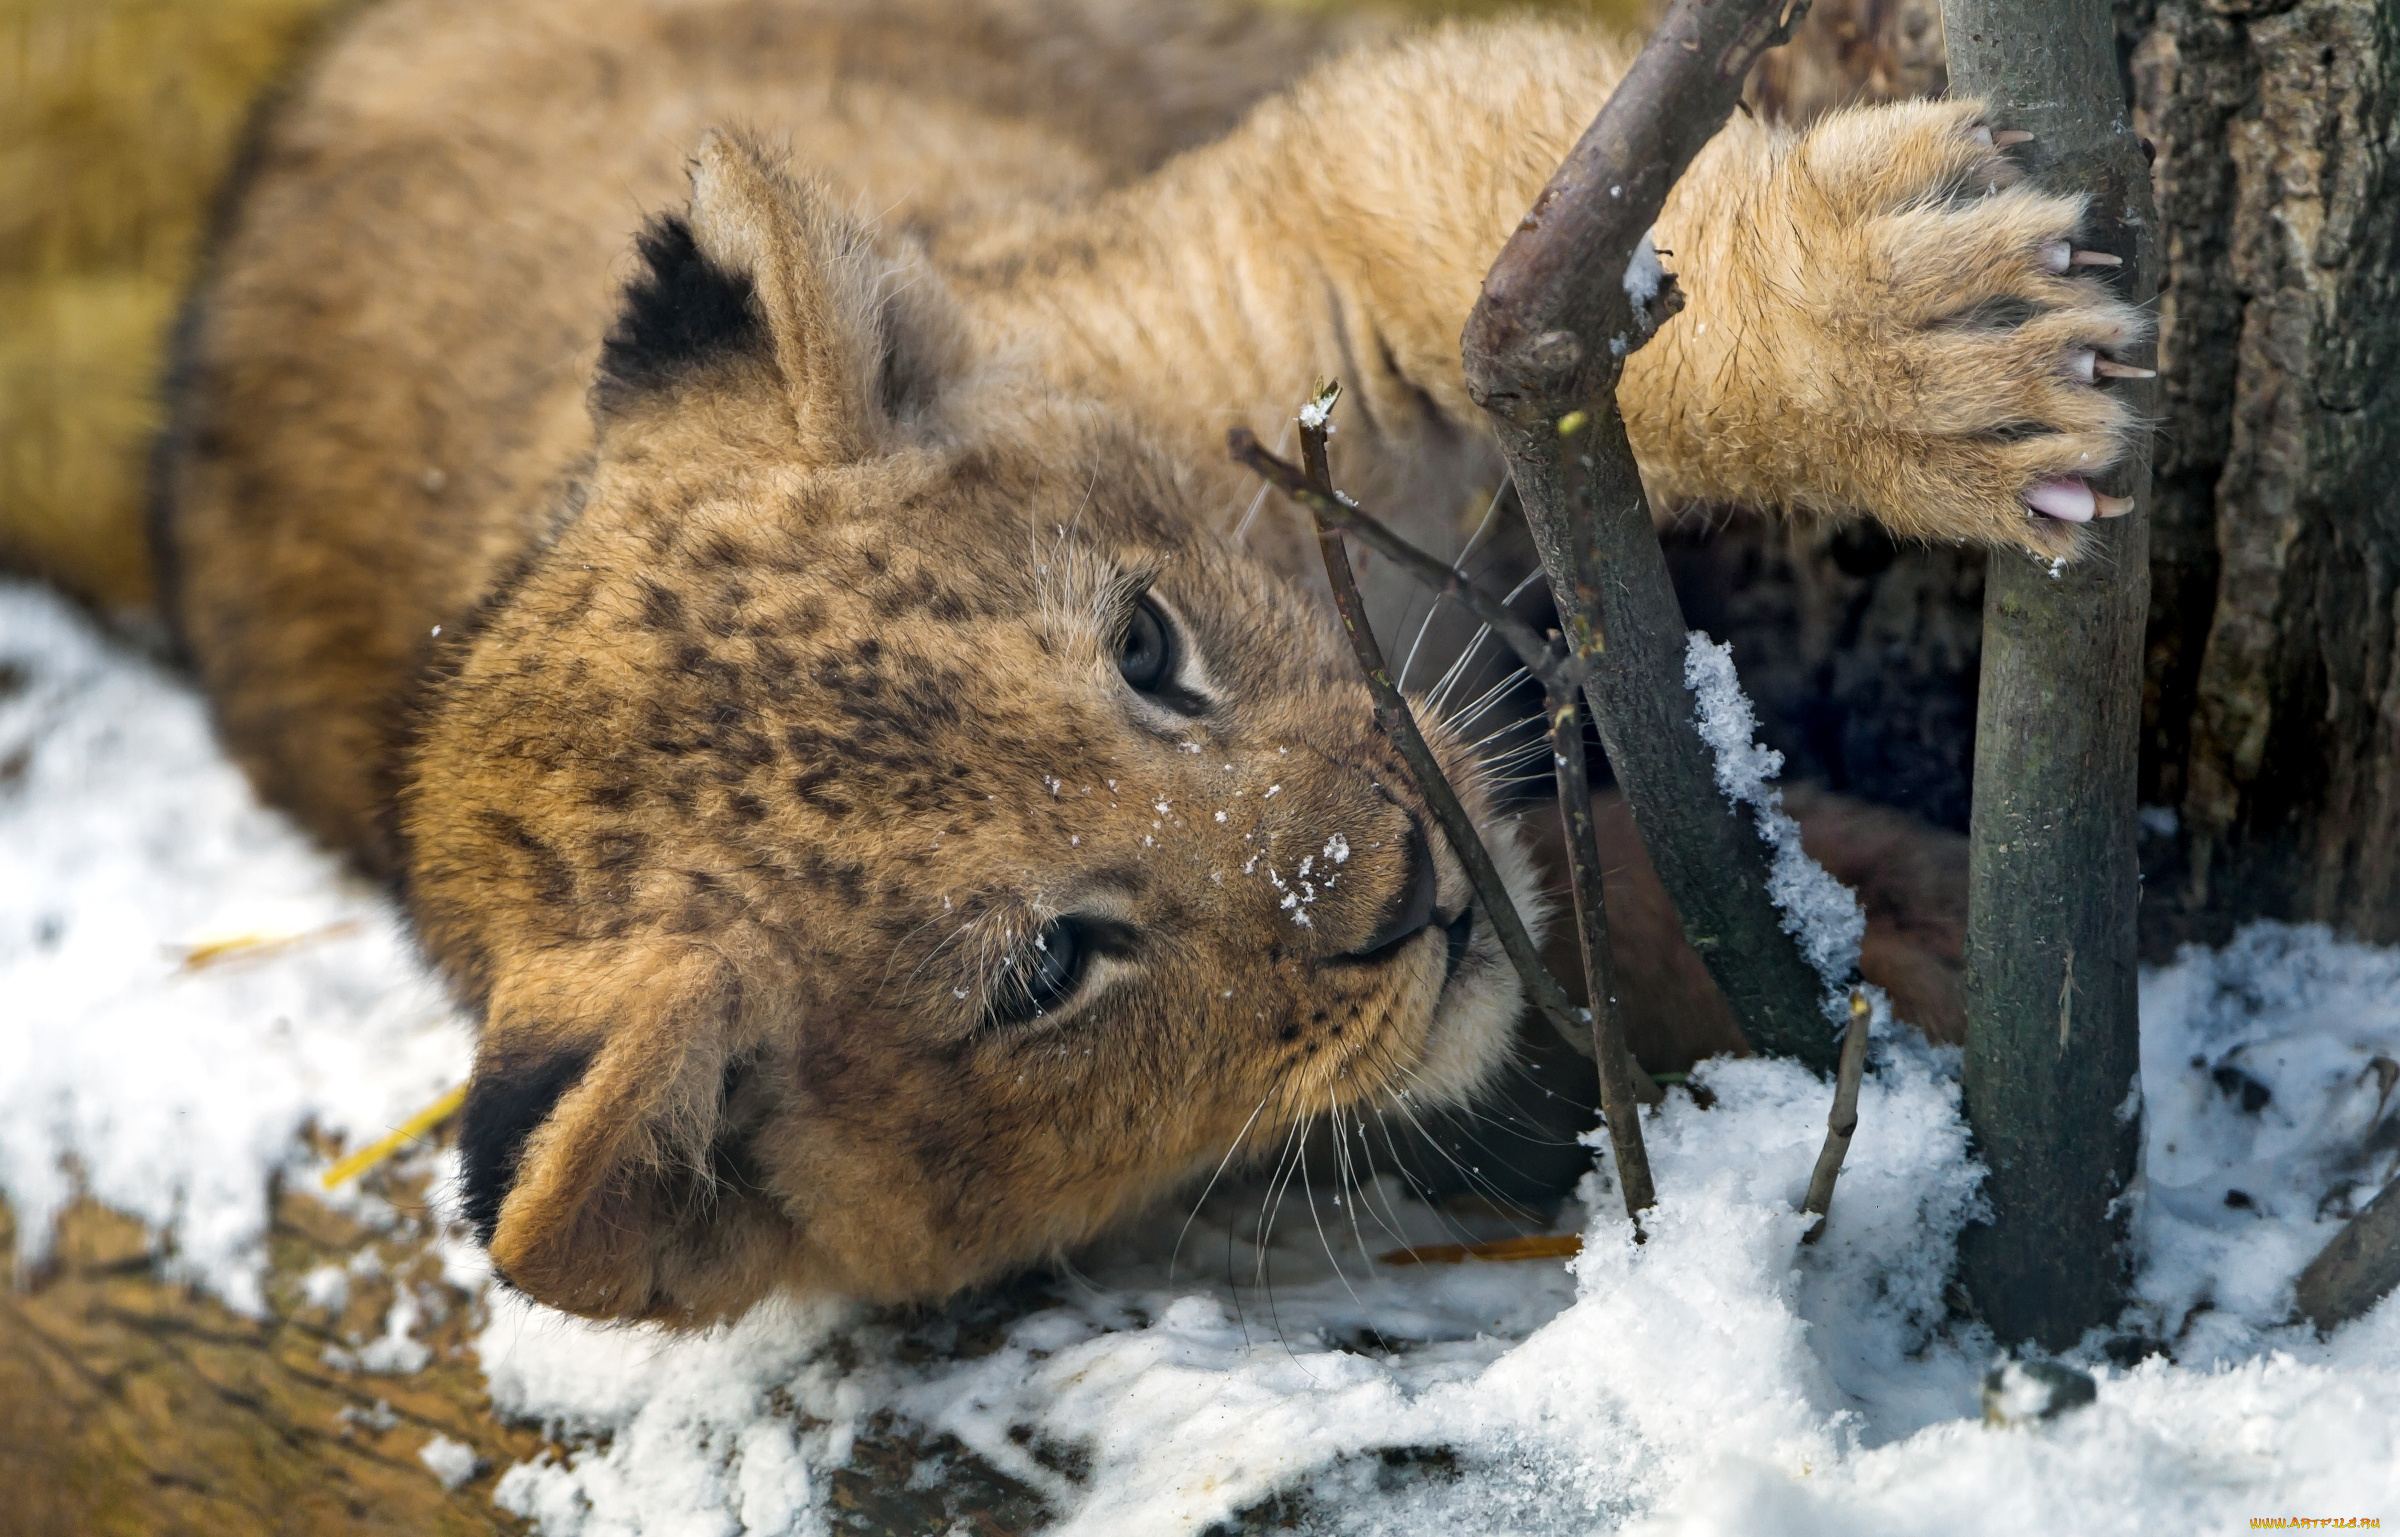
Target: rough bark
[2273,719]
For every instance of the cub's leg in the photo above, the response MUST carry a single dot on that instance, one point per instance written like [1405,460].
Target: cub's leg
[1884,318]
[1881,316]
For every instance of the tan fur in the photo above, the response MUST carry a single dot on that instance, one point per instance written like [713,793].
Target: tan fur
[733,725]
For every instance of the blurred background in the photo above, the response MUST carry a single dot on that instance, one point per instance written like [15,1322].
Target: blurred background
[118,119]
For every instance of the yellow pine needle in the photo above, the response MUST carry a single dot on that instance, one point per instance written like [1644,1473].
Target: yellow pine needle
[209,952]
[1566,1246]
[415,1126]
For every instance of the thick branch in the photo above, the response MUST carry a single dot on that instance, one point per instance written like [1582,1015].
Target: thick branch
[2358,1269]
[1555,299]
[1543,350]
[2052,1034]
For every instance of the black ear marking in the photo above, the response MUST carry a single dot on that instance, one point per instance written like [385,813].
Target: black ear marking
[509,1096]
[681,311]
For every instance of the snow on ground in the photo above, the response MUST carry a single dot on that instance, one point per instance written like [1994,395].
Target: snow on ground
[169,1090]
[1719,1378]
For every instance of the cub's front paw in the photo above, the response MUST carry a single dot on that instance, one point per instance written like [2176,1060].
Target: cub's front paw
[1956,364]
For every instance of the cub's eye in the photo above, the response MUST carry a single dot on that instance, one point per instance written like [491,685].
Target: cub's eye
[1045,975]
[1146,656]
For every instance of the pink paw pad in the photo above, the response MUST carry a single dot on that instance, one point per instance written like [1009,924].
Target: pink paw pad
[2063,497]
[2058,256]
[2070,500]
[2085,364]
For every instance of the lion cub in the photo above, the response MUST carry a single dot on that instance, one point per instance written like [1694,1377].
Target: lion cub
[723,502]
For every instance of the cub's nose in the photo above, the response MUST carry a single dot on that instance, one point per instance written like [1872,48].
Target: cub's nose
[1410,910]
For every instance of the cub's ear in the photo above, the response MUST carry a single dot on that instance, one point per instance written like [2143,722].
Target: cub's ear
[764,294]
[591,1138]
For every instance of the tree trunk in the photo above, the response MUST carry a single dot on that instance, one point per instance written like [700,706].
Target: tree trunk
[2273,720]
[2053,1034]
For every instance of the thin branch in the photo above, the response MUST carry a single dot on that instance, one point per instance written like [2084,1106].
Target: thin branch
[1841,1122]
[1545,659]
[1617,1069]
[1311,485]
[1400,724]
[1543,350]
[1621,1078]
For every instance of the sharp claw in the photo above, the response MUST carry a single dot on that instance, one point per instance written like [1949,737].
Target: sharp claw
[2064,497]
[2054,255]
[2081,363]
[2112,506]
[2095,259]
[2007,136]
[1981,135]
[2115,370]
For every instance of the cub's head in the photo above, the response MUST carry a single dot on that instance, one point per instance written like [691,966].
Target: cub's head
[885,837]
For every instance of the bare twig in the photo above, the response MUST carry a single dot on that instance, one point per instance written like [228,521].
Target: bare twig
[1621,1080]
[2358,1269]
[1547,660]
[1400,724]
[1543,350]
[1841,1122]
[1617,1068]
